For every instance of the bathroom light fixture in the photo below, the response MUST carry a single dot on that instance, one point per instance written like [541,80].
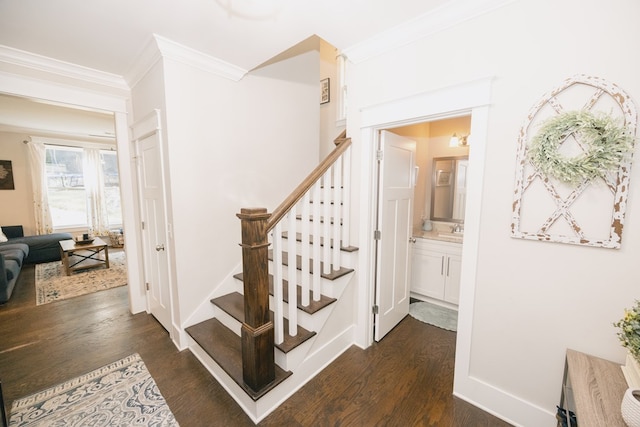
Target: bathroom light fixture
[456,141]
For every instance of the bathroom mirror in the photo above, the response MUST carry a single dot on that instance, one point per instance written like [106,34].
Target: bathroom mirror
[449,188]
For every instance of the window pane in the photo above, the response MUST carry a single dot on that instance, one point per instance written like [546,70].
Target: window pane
[112,187]
[67,198]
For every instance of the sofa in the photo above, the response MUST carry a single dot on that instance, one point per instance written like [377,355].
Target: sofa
[19,249]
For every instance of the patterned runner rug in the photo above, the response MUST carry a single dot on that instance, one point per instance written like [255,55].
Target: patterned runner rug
[120,394]
[52,284]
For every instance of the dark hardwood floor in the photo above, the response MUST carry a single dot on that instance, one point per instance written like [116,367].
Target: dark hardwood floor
[405,380]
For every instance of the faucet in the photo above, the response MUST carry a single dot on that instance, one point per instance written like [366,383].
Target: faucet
[458,228]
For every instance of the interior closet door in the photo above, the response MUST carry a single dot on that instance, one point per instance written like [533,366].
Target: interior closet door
[395,211]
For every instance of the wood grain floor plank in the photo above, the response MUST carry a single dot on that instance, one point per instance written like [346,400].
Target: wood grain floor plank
[405,380]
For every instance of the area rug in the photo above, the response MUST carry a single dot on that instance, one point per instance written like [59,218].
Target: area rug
[120,394]
[435,315]
[52,284]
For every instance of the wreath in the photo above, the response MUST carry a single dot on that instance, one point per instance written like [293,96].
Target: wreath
[604,143]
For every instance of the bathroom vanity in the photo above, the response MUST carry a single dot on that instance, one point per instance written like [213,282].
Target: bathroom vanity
[435,271]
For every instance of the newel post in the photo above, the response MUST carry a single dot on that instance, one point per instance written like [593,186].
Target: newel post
[258,364]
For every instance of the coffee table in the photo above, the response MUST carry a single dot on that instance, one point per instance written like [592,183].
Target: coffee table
[89,254]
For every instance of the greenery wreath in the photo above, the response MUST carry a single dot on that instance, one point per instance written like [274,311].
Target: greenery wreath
[605,145]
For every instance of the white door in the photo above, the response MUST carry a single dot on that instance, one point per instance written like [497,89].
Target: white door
[396,176]
[154,232]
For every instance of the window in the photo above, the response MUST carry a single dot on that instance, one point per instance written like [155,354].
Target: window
[109,161]
[65,185]
[69,197]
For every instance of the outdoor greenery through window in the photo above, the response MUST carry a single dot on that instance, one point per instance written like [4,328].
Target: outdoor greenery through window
[69,197]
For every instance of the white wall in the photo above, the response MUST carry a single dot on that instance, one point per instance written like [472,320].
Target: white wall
[329,129]
[147,95]
[533,299]
[17,205]
[233,145]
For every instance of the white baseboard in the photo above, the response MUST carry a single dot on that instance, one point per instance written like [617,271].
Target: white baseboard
[513,409]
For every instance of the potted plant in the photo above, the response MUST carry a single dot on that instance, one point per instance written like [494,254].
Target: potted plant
[629,335]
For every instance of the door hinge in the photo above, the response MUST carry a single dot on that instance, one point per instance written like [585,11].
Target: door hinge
[143,225]
[147,285]
[376,309]
[377,235]
[379,155]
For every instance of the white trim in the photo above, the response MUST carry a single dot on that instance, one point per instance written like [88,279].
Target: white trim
[34,61]
[50,91]
[186,55]
[73,143]
[449,14]
[471,97]
[434,104]
[158,47]
[146,126]
[30,87]
[145,60]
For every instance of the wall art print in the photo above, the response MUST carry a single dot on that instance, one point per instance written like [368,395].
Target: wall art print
[324,91]
[6,175]
[565,202]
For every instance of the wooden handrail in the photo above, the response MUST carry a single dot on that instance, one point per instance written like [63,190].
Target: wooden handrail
[340,138]
[311,179]
[258,363]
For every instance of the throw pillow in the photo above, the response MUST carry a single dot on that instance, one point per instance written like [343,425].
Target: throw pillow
[3,238]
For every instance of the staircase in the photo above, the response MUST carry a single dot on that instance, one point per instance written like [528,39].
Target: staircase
[260,343]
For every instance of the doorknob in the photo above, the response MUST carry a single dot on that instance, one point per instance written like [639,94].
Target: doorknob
[159,248]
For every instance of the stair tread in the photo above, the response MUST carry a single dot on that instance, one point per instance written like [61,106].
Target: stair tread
[335,274]
[225,348]
[313,307]
[285,235]
[233,304]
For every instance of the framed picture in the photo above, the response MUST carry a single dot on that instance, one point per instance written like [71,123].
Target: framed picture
[324,91]
[6,175]
[443,178]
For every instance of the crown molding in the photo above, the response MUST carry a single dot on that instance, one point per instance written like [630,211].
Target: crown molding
[146,59]
[159,47]
[34,61]
[186,55]
[451,13]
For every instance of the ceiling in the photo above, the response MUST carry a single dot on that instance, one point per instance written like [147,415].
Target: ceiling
[108,35]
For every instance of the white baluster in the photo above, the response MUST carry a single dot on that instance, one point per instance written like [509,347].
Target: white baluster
[304,252]
[278,310]
[326,212]
[291,274]
[346,198]
[337,215]
[317,248]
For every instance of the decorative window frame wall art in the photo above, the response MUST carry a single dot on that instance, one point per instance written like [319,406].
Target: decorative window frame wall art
[6,175]
[587,208]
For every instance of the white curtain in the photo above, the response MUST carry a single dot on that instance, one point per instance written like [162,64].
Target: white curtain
[94,186]
[37,160]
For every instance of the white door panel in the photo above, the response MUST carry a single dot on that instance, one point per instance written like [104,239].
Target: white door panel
[395,212]
[154,234]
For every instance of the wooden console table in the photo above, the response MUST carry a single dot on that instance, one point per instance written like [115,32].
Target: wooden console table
[593,389]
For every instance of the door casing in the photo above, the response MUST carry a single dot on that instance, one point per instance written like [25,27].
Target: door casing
[469,98]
